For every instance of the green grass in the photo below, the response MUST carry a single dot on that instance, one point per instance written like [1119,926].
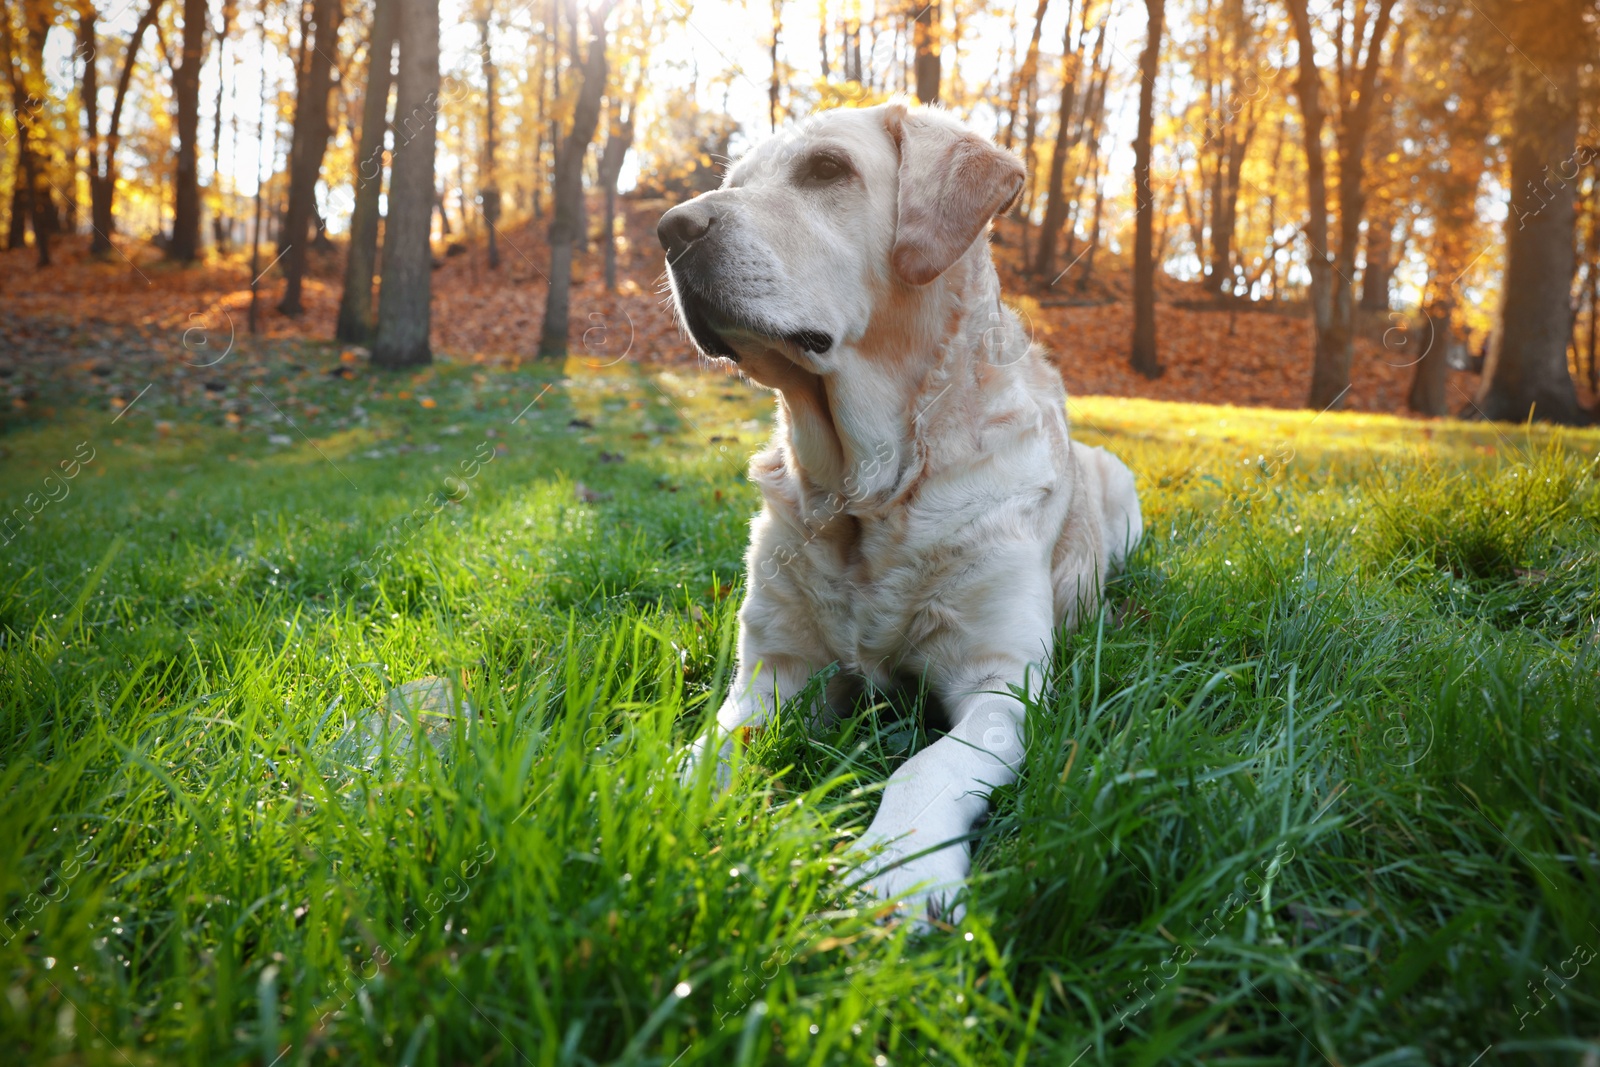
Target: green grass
[1319,786]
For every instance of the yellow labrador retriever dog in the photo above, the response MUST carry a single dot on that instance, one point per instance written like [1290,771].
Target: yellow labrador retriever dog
[925,514]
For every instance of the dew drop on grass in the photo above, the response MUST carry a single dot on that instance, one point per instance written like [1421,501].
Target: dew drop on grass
[815,1029]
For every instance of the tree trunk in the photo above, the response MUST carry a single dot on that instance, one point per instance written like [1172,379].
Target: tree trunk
[405,292]
[262,153]
[1270,266]
[439,199]
[549,92]
[219,223]
[30,192]
[88,84]
[1030,185]
[1432,374]
[619,138]
[1383,251]
[490,192]
[1379,270]
[1526,373]
[925,40]
[40,16]
[103,154]
[88,88]
[310,143]
[1222,124]
[355,306]
[1143,356]
[1067,135]
[17,229]
[1332,307]
[1594,306]
[852,47]
[822,35]
[1225,213]
[1094,112]
[185,247]
[776,84]
[1087,274]
[565,215]
[580,228]
[1027,71]
[1318,262]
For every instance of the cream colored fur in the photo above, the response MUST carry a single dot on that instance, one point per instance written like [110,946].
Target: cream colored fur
[925,513]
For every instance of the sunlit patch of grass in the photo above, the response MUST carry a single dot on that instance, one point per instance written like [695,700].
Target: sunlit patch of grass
[1485,523]
[1318,786]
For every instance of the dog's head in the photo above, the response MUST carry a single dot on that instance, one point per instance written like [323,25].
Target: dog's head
[817,231]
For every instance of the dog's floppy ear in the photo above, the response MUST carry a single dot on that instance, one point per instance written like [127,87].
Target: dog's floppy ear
[952,182]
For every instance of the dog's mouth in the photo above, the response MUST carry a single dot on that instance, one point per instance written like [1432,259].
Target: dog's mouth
[715,330]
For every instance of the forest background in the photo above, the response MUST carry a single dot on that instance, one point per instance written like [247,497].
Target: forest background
[1386,205]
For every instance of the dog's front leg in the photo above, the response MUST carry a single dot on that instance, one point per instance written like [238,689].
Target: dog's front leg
[936,798]
[780,643]
[977,668]
[761,683]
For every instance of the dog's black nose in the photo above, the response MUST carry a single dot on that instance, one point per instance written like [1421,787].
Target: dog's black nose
[683,226]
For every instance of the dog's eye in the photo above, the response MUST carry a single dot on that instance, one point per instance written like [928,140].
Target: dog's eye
[825,169]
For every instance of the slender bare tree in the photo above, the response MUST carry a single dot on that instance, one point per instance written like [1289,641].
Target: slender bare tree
[489,193]
[1144,357]
[310,144]
[23,62]
[1333,272]
[565,214]
[185,247]
[619,138]
[103,150]
[925,42]
[355,306]
[406,290]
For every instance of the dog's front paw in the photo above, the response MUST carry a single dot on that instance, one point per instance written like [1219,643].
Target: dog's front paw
[926,887]
[697,754]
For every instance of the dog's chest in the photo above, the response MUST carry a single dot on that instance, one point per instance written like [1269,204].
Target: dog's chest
[881,583]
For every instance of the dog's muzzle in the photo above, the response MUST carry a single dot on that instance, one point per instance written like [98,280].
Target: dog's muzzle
[689,235]
[679,231]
